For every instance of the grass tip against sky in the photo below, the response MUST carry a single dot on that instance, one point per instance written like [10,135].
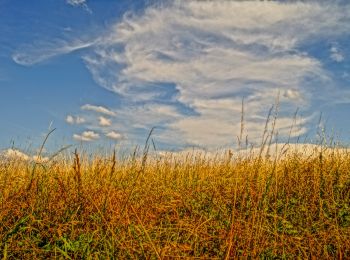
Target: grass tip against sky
[108,71]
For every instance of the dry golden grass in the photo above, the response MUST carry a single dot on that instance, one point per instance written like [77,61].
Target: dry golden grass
[176,207]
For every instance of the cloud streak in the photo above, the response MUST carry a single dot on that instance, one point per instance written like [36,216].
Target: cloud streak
[41,51]
[76,2]
[98,109]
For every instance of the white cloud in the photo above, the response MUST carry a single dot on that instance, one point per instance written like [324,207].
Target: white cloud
[114,135]
[79,120]
[86,136]
[41,51]
[70,119]
[40,159]
[98,109]
[186,66]
[130,121]
[75,120]
[336,54]
[275,150]
[102,121]
[82,3]
[292,94]
[76,2]
[338,57]
[213,59]
[15,154]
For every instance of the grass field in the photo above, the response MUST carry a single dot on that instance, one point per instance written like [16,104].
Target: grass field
[176,206]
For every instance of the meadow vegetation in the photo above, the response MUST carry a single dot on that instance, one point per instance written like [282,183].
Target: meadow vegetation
[87,206]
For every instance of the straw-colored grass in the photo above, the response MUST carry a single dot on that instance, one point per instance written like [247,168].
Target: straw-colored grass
[176,207]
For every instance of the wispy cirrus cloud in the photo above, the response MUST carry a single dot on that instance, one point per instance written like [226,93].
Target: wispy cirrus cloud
[86,136]
[44,50]
[212,59]
[82,3]
[186,66]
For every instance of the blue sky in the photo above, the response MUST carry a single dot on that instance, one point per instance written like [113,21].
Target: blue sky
[105,72]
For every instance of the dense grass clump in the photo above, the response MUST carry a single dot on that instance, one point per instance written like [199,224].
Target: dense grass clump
[176,206]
